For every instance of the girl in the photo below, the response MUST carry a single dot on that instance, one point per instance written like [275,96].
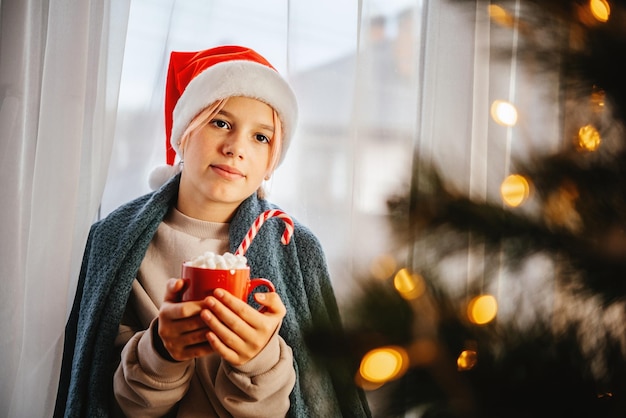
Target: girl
[131,348]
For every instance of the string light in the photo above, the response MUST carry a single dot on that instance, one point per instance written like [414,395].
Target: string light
[500,16]
[504,113]
[482,309]
[384,364]
[467,360]
[514,190]
[600,9]
[410,286]
[589,138]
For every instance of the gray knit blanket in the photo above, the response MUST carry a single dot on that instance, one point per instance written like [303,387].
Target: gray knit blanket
[115,248]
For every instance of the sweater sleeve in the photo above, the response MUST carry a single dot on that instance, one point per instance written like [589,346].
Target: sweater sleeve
[261,387]
[145,384]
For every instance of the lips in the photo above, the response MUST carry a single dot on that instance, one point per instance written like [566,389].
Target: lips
[227,171]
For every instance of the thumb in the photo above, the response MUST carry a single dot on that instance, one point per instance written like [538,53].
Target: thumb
[174,289]
[270,302]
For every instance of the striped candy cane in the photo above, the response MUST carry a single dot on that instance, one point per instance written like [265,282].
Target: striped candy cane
[254,229]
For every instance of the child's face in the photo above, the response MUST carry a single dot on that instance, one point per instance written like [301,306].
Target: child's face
[226,160]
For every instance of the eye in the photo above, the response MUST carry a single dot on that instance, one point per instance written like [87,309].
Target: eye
[262,138]
[218,123]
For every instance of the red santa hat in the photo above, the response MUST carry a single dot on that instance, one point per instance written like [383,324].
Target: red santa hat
[195,80]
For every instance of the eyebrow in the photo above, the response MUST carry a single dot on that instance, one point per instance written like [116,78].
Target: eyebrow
[262,125]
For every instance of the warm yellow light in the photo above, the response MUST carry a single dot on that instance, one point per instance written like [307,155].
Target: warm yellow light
[589,138]
[410,286]
[500,16]
[383,364]
[514,190]
[482,309]
[600,9]
[504,113]
[383,266]
[467,360]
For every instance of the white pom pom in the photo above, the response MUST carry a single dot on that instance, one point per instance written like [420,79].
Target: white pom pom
[161,174]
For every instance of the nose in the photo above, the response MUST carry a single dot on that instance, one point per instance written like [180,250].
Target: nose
[234,145]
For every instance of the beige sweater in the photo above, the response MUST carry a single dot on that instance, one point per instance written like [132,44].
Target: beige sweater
[147,385]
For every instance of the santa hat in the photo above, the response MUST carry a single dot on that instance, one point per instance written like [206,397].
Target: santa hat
[195,80]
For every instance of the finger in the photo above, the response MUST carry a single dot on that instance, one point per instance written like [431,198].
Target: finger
[244,319]
[173,323]
[271,303]
[181,325]
[172,311]
[226,316]
[227,353]
[186,352]
[231,337]
[185,338]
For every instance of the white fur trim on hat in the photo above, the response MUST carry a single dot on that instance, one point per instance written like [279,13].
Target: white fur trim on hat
[161,174]
[236,78]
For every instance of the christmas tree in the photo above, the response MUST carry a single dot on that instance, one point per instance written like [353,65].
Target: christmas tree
[553,251]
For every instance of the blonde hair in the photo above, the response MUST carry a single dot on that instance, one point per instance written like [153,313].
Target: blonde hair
[208,113]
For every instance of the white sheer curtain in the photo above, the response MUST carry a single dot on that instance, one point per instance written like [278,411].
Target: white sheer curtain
[60,65]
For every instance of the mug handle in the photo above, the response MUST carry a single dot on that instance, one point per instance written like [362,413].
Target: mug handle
[258,282]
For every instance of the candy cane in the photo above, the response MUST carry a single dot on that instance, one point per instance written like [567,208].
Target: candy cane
[254,229]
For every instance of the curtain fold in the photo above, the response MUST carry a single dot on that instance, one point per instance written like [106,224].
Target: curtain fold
[60,64]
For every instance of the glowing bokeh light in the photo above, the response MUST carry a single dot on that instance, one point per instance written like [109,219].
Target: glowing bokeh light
[482,309]
[383,266]
[500,16]
[410,286]
[384,364]
[467,360]
[504,113]
[589,138]
[600,9]
[514,190]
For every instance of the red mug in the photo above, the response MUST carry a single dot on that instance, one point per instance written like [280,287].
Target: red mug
[200,282]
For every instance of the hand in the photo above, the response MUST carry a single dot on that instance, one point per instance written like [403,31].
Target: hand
[181,329]
[238,332]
